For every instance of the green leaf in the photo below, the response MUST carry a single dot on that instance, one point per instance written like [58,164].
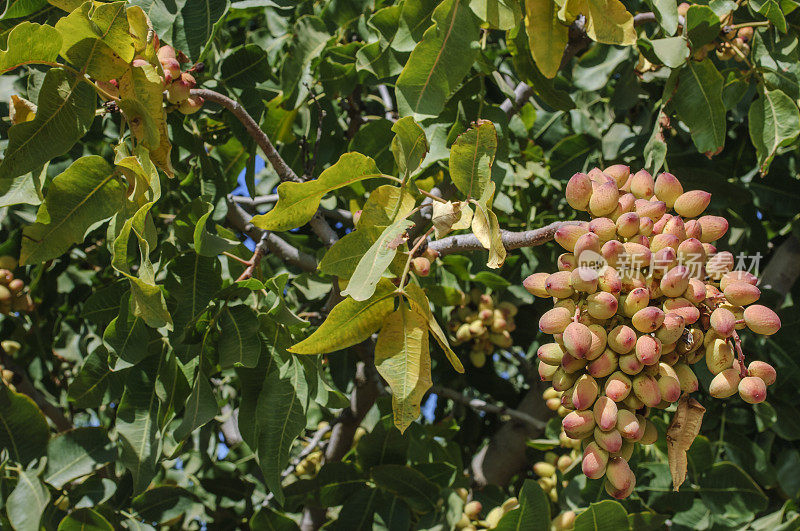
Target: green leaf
[607,21]
[491,280]
[23,189]
[402,358]
[309,36]
[409,145]
[245,66]
[195,25]
[337,482]
[23,431]
[163,503]
[698,102]
[774,122]
[21,8]
[206,243]
[384,205]
[103,304]
[487,229]
[239,342]
[91,382]
[266,519]
[439,62]
[107,23]
[137,422]
[518,46]
[344,256]
[533,511]
[727,489]
[771,10]
[65,111]
[28,43]
[607,514]
[547,36]
[672,51]
[374,262]
[350,322]
[127,334]
[77,453]
[27,502]
[497,14]
[358,512]
[666,13]
[702,26]
[87,192]
[192,282]
[655,151]
[298,202]
[200,408]
[281,419]
[471,159]
[419,301]
[84,520]
[408,484]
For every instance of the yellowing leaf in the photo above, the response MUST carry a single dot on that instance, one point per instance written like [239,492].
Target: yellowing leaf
[297,202]
[409,145]
[547,35]
[349,322]
[403,359]
[446,215]
[681,433]
[20,110]
[384,205]
[607,21]
[30,43]
[487,229]
[419,301]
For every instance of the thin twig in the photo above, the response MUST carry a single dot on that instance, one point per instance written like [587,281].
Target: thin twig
[511,240]
[482,405]
[255,260]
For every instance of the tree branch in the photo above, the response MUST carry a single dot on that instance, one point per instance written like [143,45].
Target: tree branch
[240,220]
[285,173]
[511,240]
[482,405]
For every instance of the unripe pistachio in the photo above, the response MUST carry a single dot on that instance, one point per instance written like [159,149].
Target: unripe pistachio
[646,389]
[604,198]
[638,255]
[599,339]
[501,339]
[642,184]
[619,493]
[648,349]
[627,225]
[670,388]
[618,172]
[695,291]
[583,280]
[563,380]
[563,462]
[567,262]
[585,392]
[478,359]
[587,248]
[648,319]
[605,364]
[675,281]
[625,204]
[725,384]
[577,339]
[752,389]
[634,301]
[650,435]
[605,228]
[421,266]
[645,226]
[761,320]
[558,285]
[569,304]
[628,425]
[612,252]
[686,378]
[601,305]
[675,227]
[650,209]
[712,228]
[622,339]
[473,509]
[619,474]
[617,386]
[693,229]
[564,521]
[763,370]
[547,372]
[737,276]
[668,188]
[671,329]
[578,424]
[579,191]
[692,204]
[605,414]
[632,279]
[609,281]
[139,63]
[191,105]
[610,441]
[682,307]
[633,403]
[741,293]
[723,322]
[477,328]
[535,284]
[662,261]
[543,469]
[630,364]
[594,461]
[663,241]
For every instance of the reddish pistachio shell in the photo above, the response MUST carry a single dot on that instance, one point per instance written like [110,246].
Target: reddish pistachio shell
[605,364]
[605,228]
[725,384]
[605,413]
[622,339]
[692,204]
[638,255]
[675,281]
[618,172]
[625,204]
[719,356]
[567,235]
[546,371]
[694,229]
[585,392]
[648,349]
[671,329]
[630,364]
[551,353]
[559,285]
[563,380]
[567,262]
[618,493]
[723,322]
[555,321]
[578,424]
[642,184]
[752,389]
[663,260]
[610,441]
[628,425]
[571,364]
[712,228]
[649,209]
[583,279]
[670,388]
[617,386]
[609,281]
[577,339]
[648,319]
[676,227]
[535,284]
[596,175]
[612,251]
[579,191]
[662,241]
[645,226]
[619,474]
[601,305]
[627,225]
[668,188]
[761,320]
[587,248]
[594,461]
[737,276]
[604,198]
[741,293]
[650,433]
[599,339]
[719,265]
[763,370]
[695,291]
[659,224]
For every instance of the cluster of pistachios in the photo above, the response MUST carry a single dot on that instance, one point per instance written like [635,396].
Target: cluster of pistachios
[484,324]
[14,296]
[642,294]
